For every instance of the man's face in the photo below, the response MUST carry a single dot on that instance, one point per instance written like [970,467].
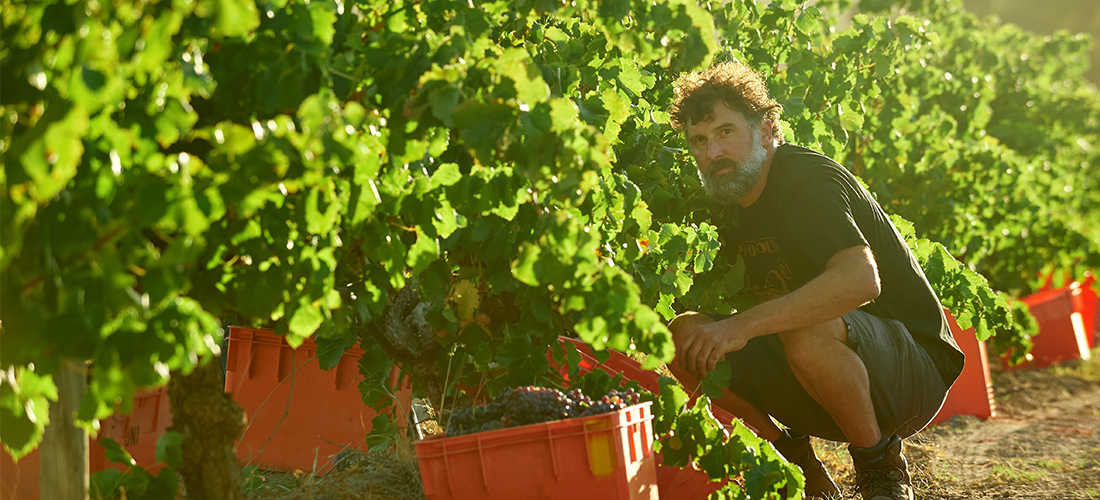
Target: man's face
[729,153]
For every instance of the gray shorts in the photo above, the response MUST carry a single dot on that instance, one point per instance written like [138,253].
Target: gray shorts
[906,388]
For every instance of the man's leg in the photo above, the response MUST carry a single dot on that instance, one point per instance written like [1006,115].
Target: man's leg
[795,447]
[834,376]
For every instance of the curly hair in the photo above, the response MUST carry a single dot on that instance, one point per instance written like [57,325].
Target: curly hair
[730,83]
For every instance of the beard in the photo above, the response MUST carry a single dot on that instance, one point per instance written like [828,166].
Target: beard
[733,185]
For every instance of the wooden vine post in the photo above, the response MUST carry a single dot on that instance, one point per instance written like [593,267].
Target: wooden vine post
[64,448]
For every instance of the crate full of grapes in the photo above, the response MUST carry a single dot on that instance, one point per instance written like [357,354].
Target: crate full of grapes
[538,443]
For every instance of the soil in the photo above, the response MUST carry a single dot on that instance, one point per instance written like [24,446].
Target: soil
[1042,443]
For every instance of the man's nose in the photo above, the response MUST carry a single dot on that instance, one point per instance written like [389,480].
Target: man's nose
[716,151]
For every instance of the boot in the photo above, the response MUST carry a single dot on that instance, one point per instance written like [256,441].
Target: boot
[881,471]
[797,450]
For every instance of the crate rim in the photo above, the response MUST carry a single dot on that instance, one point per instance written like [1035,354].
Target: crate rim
[478,437]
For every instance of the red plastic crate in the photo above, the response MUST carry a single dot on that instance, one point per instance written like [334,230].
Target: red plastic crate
[972,392]
[136,432]
[1062,334]
[608,456]
[324,413]
[19,481]
[674,483]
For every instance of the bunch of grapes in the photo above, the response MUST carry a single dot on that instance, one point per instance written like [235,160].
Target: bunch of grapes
[613,401]
[531,405]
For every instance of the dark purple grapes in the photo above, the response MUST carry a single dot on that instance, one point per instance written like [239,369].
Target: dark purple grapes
[531,405]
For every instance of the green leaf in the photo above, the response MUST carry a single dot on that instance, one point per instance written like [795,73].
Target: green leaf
[376,368]
[422,253]
[631,76]
[170,449]
[530,88]
[572,359]
[717,380]
[564,114]
[262,292]
[331,350]
[324,19]
[618,109]
[116,453]
[445,222]
[383,432]
[236,17]
[321,219]
[20,433]
[523,268]
[850,119]
[305,321]
[24,409]
[444,100]
[808,20]
[522,359]
[670,403]
[164,485]
[446,175]
[106,482]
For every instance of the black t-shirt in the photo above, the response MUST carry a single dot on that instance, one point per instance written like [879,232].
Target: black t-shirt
[810,209]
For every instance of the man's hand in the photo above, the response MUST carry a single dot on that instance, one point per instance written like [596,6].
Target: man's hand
[703,346]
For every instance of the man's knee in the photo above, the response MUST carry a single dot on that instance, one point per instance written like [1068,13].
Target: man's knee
[686,321]
[804,344]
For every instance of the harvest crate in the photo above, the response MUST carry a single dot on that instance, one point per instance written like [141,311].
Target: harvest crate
[1062,333]
[296,410]
[674,483]
[972,392]
[136,432]
[608,456]
[19,480]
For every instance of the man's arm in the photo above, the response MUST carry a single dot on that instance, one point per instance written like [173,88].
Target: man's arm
[849,281]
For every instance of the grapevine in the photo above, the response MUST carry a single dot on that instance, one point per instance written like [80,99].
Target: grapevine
[510,164]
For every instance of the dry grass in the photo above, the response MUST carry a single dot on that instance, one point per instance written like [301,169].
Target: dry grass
[391,474]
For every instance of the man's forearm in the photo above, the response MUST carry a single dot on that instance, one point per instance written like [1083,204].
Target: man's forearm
[850,281]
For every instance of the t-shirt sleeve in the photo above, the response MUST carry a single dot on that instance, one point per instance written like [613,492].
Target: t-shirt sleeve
[819,214]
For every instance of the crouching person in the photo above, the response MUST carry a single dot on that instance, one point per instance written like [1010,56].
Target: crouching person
[848,341]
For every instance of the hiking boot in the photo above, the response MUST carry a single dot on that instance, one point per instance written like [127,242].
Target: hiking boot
[881,471]
[797,450]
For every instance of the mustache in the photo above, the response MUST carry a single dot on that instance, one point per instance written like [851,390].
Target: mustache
[720,165]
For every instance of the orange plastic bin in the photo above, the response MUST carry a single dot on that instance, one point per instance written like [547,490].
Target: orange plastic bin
[608,456]
[19,480]
[972,392]
[137,433]
[296,410]
[674,483]
[1062,334]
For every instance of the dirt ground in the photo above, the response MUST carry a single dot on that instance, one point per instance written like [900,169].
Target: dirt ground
[1043,443]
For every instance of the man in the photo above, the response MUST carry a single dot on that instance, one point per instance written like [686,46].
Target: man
[848,342]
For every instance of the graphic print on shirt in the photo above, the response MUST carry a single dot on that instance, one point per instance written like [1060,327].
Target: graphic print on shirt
[767,274]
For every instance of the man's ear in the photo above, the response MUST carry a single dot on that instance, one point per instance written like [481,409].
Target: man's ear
[766,127]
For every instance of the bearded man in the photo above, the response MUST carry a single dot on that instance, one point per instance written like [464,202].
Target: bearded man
[847,342]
